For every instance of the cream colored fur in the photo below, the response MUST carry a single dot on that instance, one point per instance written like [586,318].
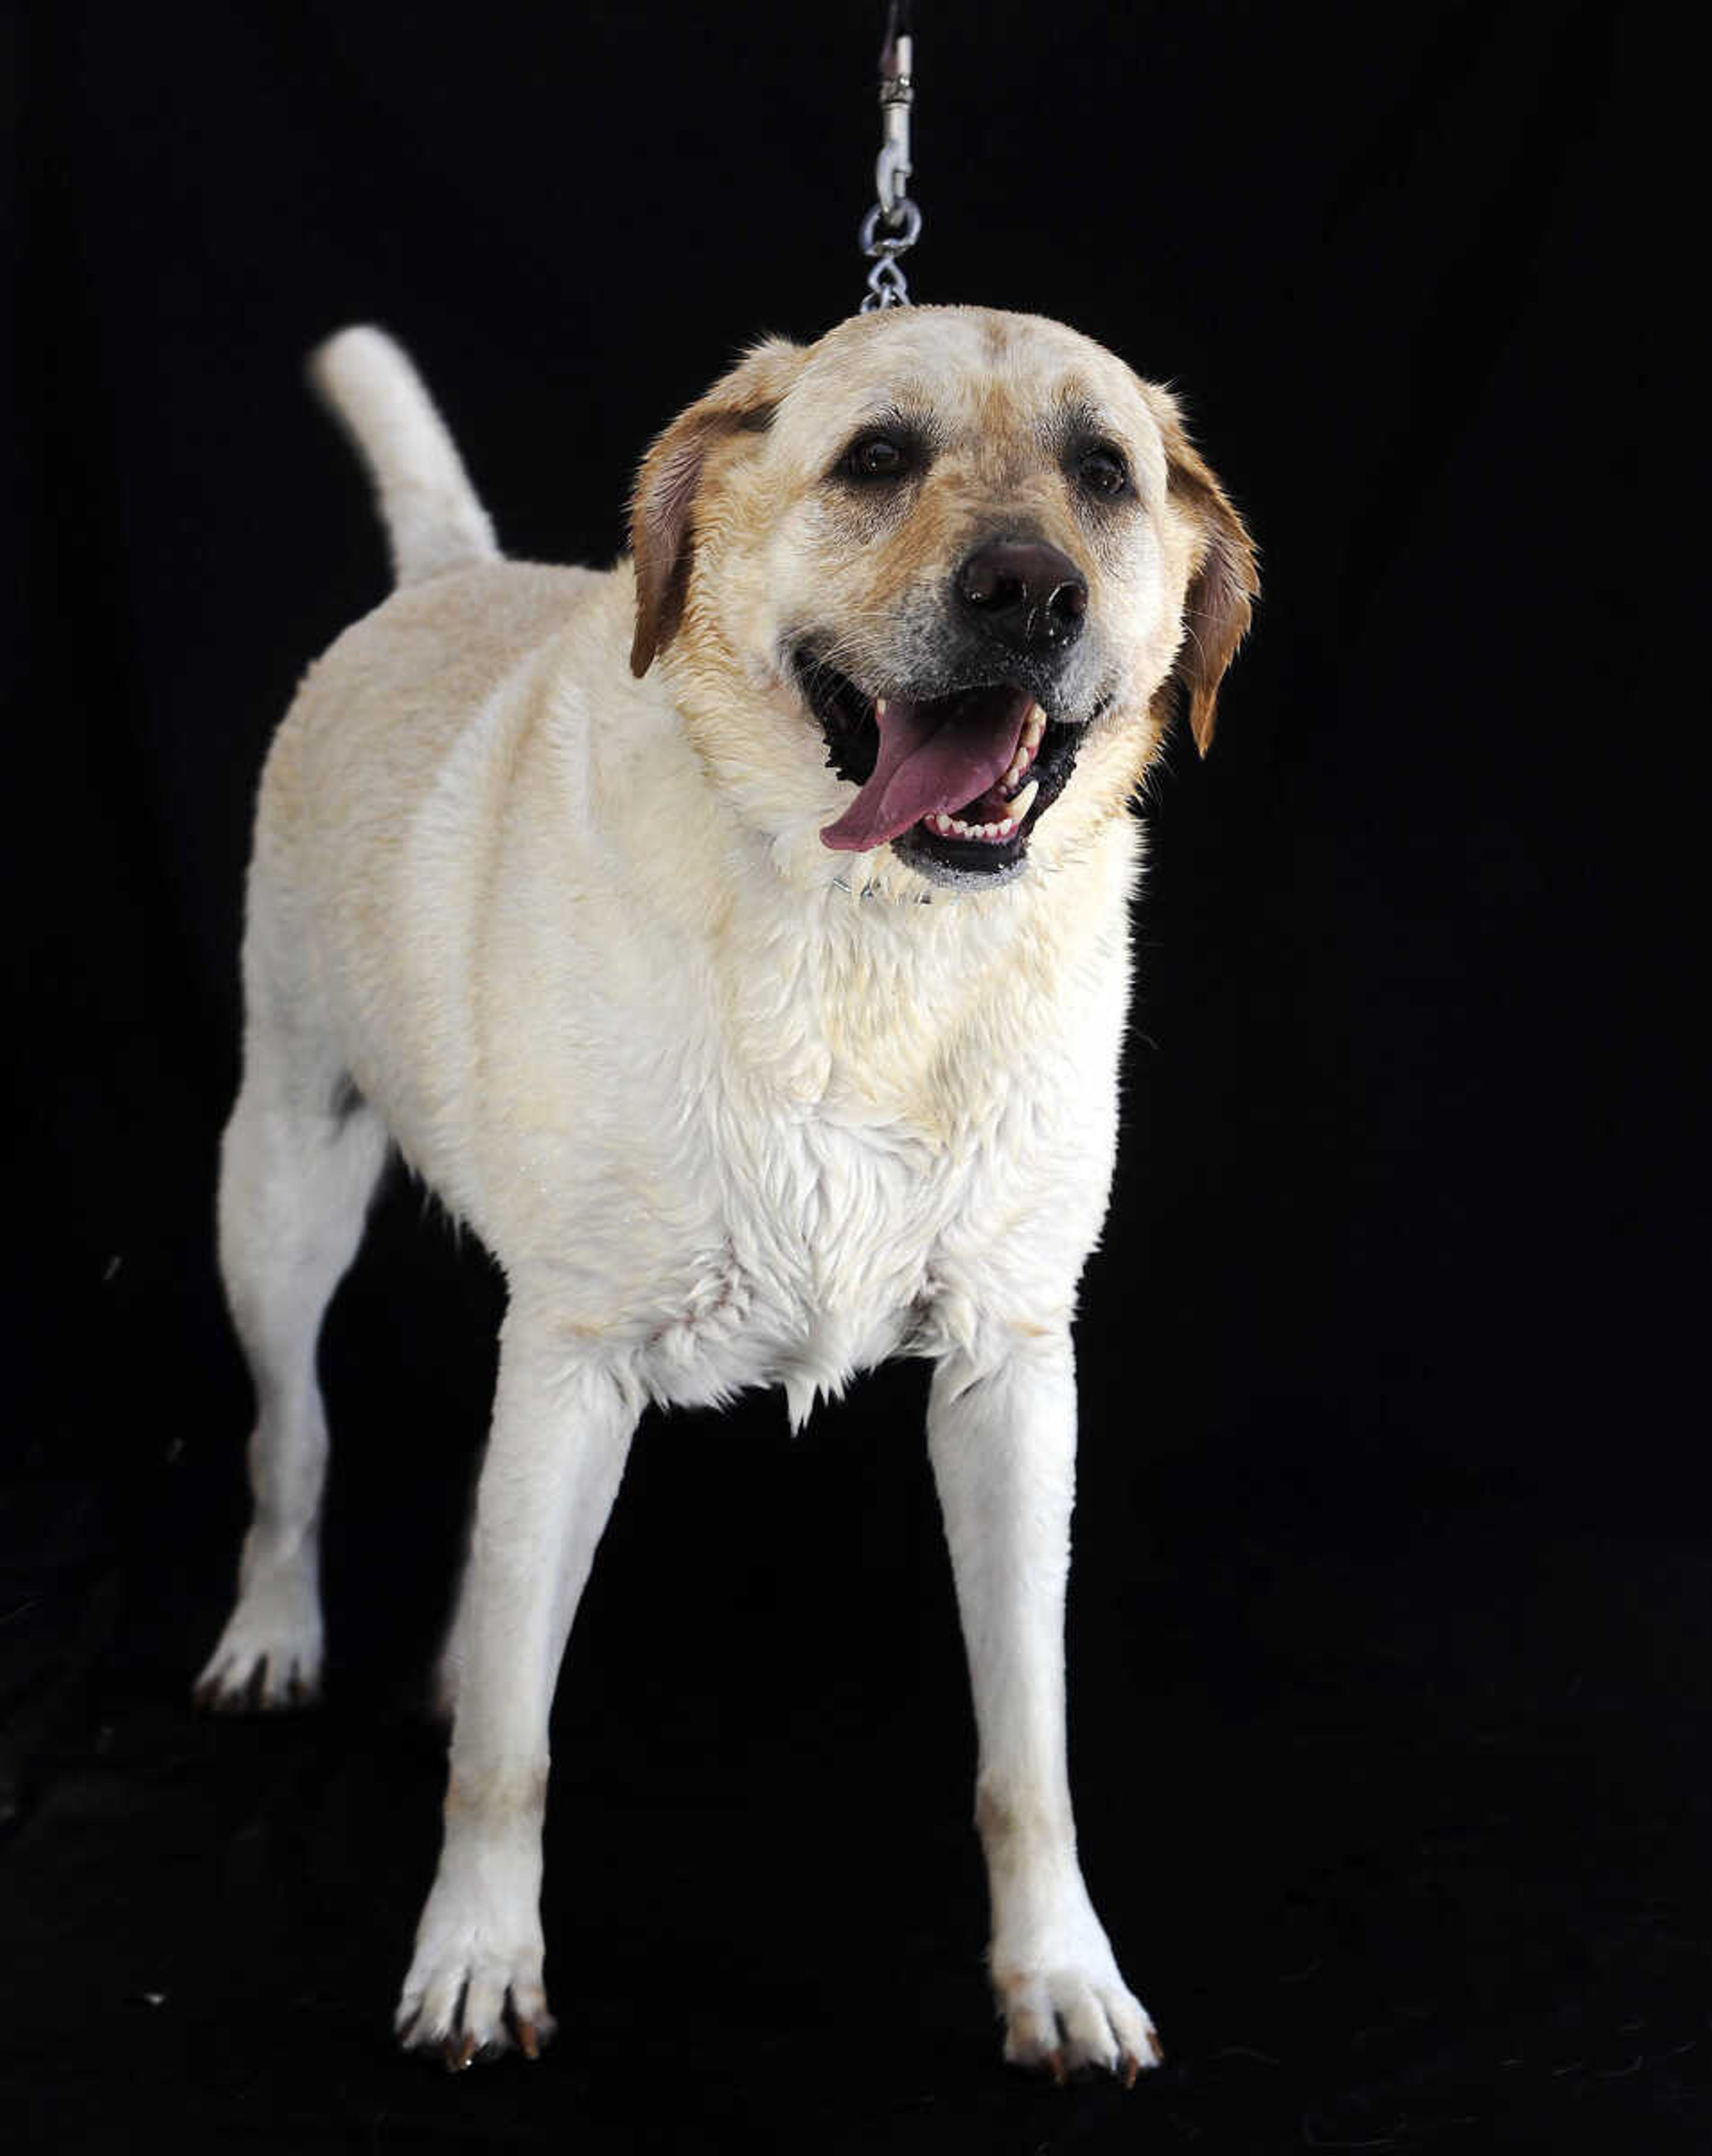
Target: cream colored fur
[729,1108]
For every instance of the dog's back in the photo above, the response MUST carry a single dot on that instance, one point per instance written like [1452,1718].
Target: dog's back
[371,876]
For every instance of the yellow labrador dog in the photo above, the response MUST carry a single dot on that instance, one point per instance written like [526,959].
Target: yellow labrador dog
[738,941]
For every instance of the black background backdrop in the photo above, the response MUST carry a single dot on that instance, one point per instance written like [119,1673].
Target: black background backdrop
[1388,1680]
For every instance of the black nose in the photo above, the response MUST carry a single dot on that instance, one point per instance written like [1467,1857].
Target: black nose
[1026,594]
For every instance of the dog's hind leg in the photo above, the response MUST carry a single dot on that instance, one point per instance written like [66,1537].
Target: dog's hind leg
[298,1165]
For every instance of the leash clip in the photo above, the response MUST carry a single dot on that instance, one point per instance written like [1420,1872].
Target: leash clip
[897,93]
[894,224]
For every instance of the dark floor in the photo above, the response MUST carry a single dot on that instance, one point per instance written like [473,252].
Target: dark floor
[1404,1846]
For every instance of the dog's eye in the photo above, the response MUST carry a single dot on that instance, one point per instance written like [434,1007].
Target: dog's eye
[1103,471]
[877,456]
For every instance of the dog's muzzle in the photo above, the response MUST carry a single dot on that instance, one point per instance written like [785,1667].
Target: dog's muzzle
[955,781]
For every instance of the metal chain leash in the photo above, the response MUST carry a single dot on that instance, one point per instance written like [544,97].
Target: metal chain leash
[894,225]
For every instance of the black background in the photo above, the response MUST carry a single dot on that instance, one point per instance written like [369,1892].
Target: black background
[1389,1687]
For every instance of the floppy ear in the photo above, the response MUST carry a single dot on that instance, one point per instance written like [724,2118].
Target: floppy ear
[663,503]
[1219,606]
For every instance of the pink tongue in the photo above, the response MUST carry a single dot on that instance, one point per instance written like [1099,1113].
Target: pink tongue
[935,756]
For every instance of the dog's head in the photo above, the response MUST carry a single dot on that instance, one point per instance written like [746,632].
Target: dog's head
[922,586]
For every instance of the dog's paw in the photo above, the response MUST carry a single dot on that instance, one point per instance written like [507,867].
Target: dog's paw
[469,1998]
[1060,2019]
[270,1656]
[1066,2007]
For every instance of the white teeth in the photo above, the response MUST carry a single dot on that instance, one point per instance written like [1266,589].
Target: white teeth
[1033,728]
[1016,810]
[954,827]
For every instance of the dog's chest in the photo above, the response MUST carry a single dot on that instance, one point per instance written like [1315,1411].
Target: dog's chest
[778,1153]
[829,1224]
[854,1146]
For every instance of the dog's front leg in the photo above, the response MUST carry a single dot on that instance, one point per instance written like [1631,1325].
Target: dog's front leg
[1001,1434]
[562,1430]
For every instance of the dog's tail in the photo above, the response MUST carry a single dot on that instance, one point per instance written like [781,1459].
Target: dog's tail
[434,520]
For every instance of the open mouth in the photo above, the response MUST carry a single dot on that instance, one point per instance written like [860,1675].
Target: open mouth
[957,781]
